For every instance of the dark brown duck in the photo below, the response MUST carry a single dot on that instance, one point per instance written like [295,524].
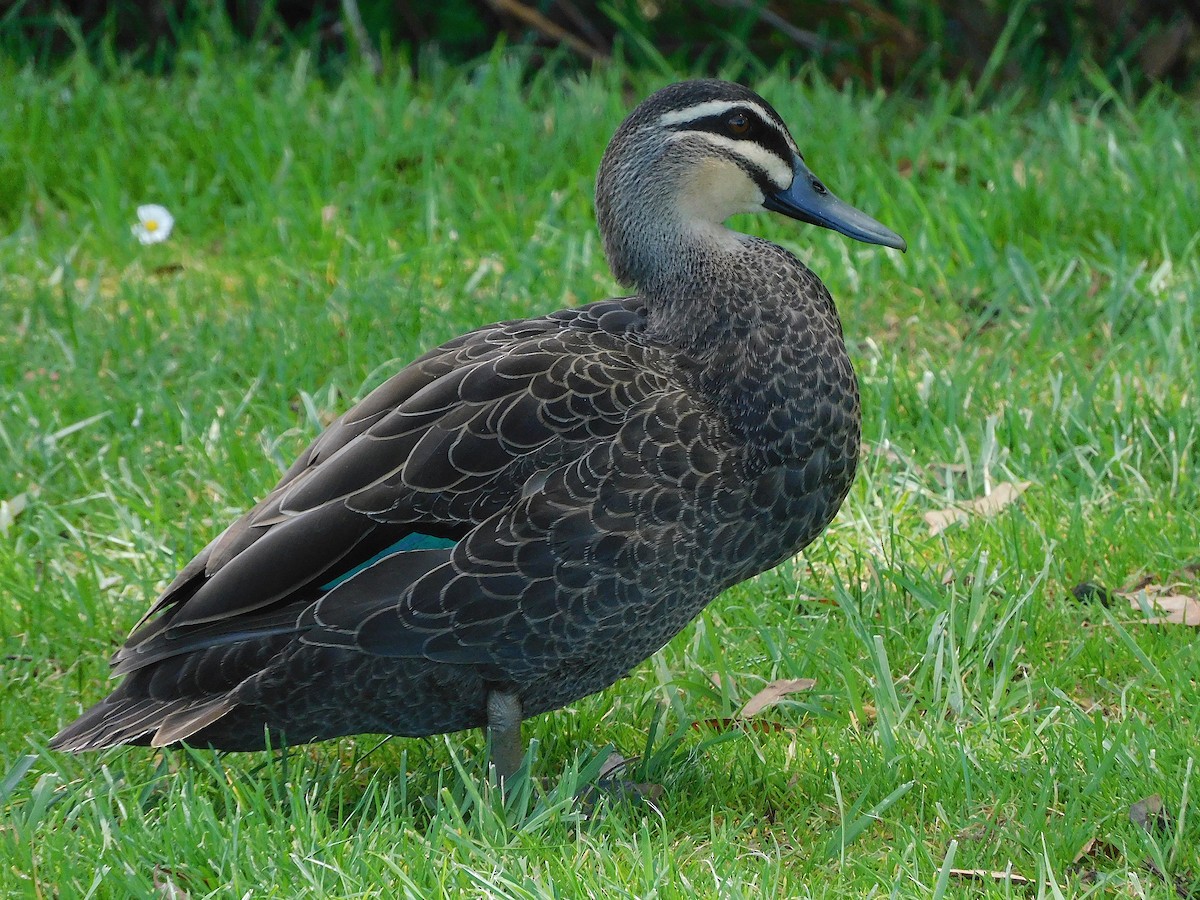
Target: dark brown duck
[524,514]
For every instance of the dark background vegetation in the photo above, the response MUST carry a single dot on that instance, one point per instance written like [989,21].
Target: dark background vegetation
[890,43]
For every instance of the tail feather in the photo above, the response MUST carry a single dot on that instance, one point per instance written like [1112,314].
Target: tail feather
[183,723]
[139,720]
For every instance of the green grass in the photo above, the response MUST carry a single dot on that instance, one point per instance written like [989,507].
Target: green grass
[969,713]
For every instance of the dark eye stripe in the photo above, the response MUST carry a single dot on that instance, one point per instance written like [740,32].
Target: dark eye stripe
[766,134]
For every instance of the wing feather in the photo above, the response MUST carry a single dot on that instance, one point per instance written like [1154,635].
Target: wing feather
[563,567]
[442,448]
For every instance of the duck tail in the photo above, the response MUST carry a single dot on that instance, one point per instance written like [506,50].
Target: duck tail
[118,720]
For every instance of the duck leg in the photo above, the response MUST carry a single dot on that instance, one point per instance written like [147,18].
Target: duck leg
[504,732]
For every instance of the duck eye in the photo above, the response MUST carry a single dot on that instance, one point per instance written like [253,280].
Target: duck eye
[739,124]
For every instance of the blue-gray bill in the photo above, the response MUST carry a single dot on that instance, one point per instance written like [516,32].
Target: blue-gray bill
[810,201]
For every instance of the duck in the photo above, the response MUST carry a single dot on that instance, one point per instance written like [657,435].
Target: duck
[521,516]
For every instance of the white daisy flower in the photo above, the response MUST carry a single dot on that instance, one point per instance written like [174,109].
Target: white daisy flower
[154,224]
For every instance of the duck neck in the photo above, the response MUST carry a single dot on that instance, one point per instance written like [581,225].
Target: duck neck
[687,273]
[692,304]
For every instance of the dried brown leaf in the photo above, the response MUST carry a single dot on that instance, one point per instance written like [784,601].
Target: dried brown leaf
[1170,608]
[1084,852]
[773,693]
[609,781]
[615,762]
[870,714]
[1149,814]
[1189,570]
[1095,849]
[168,889]
[1002,495]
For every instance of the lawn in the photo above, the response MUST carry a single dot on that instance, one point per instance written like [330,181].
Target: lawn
[974,709]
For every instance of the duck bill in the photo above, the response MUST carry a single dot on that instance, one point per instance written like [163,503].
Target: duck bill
[810,201]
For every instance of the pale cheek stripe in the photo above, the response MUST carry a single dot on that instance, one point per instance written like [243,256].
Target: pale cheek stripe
[778,171]
[709,108]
